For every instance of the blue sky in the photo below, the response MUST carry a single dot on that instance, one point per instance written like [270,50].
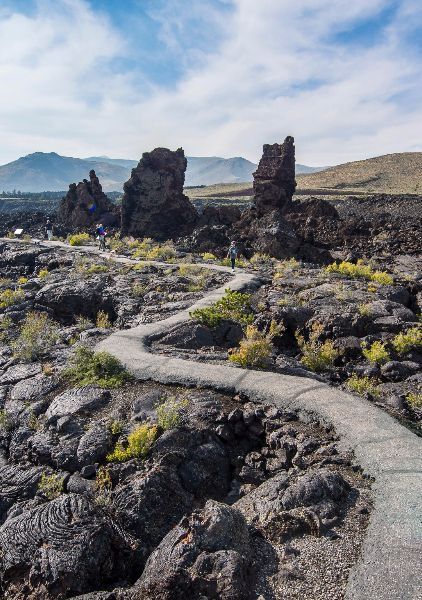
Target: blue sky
[218,77]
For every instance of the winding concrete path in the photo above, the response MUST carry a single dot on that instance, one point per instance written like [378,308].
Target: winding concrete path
[390,565]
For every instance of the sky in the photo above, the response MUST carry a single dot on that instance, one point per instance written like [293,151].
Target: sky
[217,77]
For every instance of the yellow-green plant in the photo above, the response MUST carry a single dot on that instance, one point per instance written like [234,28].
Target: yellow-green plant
[376,353]
[138,444]
[233,305]
[414,399]
[364,310]
[83,323]
[22,280]
[363,385]
[38,334]
[360,270]
[285,267]
[42,274]
[208,256]
[51,486]
[169,412]
[94,268]
[103,320]
[261,260]
[139,289]
[103,486]
[4,420]
[317,356]
[10,297]
[78,239]
[254,350]
[411,339]
[101,368]
[115,427]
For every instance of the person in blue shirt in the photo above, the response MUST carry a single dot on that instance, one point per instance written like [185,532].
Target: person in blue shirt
[232,254]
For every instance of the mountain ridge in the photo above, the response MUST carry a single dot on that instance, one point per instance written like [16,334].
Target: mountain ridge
[50,171]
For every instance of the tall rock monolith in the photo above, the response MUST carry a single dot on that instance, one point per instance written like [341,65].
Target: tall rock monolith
[153,203]
[85,204]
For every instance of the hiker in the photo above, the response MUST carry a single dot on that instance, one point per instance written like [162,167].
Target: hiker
[232,254]
[101,235]
[49,230]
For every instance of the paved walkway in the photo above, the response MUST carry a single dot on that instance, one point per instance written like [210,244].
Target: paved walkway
[390,565]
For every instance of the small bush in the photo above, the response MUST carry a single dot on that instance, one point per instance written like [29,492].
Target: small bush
[78,239]
[11,297]
[376,353]
[414,399]
[103,486]
[139,443]
[254,350]
[360,270]
[103,320]
[115,427]
[208,256]
[317,356]
[4,420]
[364,310]
[139,290]
[169,413]
[233,305]
[51,486]
[83,323]
[38,334]
[94,268]
[100,368]
[261,260]
[42,274]
[404,342]
[285,267]
[226,262]
[22,280]
[363,385]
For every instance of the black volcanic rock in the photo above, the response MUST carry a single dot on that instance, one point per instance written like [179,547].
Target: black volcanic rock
[86,204]
[153,203]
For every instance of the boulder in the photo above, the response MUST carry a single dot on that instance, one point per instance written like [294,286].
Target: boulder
[76,401]
[86,204]
[153,203]
[207,555]
[62,548]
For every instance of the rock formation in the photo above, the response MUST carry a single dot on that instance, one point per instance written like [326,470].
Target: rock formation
[274,180]
[263,227]
[86,204]
[153,203]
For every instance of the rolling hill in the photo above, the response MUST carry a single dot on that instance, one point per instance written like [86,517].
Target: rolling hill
[392,173]
[42,171]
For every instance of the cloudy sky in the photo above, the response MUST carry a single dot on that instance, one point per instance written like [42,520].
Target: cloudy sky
[218,77]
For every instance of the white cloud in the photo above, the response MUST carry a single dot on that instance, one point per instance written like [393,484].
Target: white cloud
[275,73]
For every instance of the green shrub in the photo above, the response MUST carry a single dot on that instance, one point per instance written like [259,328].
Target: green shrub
[412,339]
[226,262]
[100,368]
[11,297]
[94,268]
[317,356]
[22,280]
[103,320]
[38,335]
[363,385]
[360,270]
[42,274]
[376,353]
[285,267]
[414,399]
[138,445]
[103,486]
[51,486]
[139,289]
[4,420]
[261,260]
[115,427]
[169,413]
[83,323]
[208,256]
[254,350]
[364,310]
[149,250]
[78,239]
[233,305]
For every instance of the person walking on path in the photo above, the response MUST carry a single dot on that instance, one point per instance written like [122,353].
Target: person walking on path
[232,254]
[49,230]
[101,234]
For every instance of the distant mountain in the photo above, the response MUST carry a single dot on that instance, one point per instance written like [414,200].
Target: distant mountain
[43,171]
[392,173]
